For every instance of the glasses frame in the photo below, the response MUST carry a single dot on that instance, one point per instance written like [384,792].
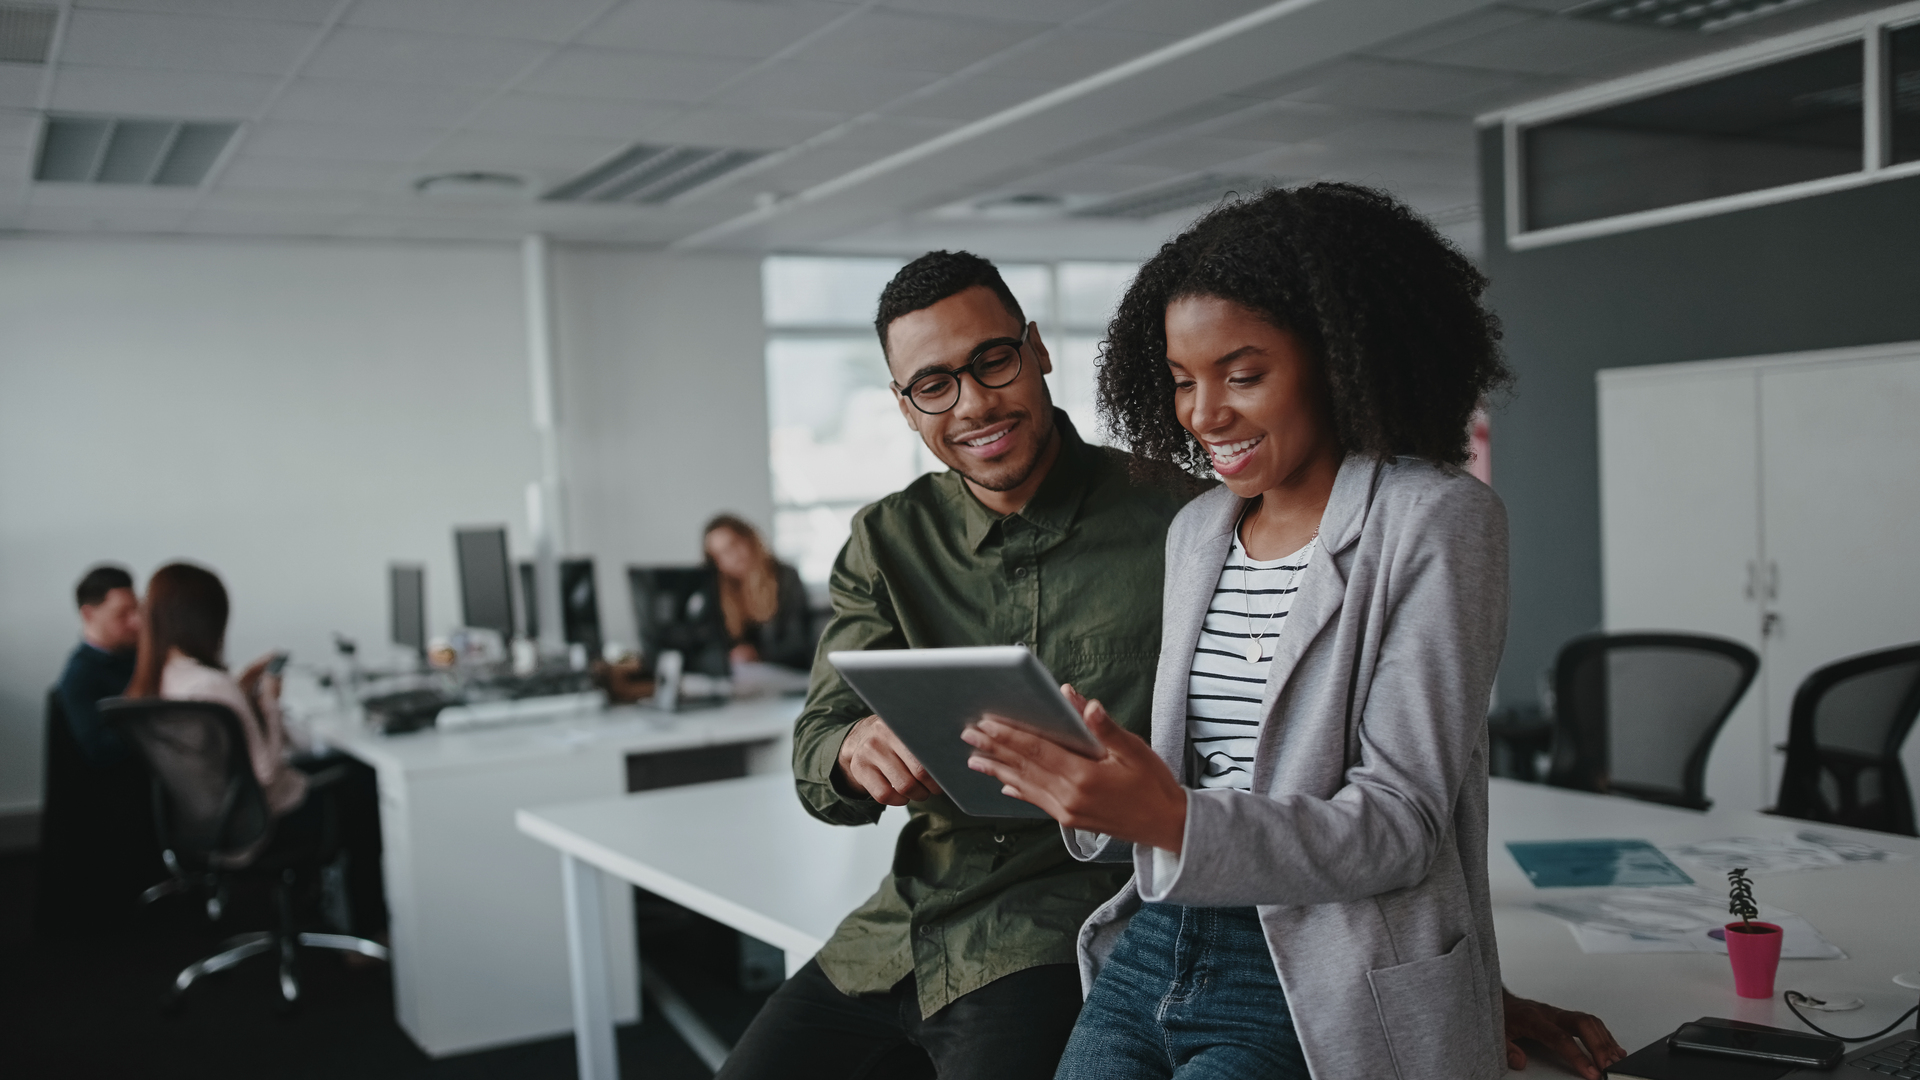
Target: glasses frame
[971,367]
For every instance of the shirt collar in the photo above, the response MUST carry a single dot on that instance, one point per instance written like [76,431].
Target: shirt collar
[1054,506]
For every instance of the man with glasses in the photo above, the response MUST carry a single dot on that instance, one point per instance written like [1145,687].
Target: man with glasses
[966,954]
[963,965]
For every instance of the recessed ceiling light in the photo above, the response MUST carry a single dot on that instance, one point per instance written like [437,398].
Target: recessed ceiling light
[1702,15]
[471,185]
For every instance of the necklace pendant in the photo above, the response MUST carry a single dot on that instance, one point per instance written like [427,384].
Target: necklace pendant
[1253,652]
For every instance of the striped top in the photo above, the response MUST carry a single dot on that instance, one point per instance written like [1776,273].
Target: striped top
[1224,687]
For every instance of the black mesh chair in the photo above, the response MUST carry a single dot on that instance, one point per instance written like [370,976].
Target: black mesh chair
[215,827]
[1636,714]
[1843,742]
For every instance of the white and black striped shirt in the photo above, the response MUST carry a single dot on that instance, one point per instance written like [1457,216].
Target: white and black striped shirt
[1223,687]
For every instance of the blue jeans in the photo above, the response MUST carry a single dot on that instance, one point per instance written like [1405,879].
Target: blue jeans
[1189,992]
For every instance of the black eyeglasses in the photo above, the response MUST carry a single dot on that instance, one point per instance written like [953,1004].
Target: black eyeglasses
[993,364]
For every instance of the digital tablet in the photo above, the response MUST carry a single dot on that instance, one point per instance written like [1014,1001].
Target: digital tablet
[929,696]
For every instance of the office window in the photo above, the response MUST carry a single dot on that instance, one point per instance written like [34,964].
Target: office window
[1782,123]
[838,441]
[1903,83]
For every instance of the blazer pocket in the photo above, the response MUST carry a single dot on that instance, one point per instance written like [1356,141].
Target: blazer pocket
[1434,1012]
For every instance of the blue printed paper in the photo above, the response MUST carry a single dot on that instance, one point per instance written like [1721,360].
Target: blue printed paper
[1559,864]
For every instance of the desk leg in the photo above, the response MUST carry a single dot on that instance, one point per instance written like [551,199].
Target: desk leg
[592,984]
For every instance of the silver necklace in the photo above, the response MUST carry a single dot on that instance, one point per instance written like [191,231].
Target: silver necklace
[1256,644]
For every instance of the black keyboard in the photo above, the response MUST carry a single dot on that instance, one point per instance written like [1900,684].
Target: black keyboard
[1902,1059]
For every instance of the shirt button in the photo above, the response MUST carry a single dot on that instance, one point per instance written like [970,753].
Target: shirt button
[1019,644]
[926,931]
[999,838]
[1020,571]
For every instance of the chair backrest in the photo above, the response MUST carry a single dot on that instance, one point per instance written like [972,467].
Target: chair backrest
[1843,742]
[207,803]
[1636,714]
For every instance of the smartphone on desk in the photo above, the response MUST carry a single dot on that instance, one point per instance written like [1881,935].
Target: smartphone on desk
[1756,1042]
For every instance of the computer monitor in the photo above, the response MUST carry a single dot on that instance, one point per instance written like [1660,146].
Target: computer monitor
[579,603]
[407,601]
[678,607]
[486,584]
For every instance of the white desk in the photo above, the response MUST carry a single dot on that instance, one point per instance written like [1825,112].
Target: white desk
[744,853]
[476,915]
[1867,910]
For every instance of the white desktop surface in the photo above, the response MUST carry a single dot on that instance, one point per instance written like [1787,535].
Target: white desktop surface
[476,910]
[744,853]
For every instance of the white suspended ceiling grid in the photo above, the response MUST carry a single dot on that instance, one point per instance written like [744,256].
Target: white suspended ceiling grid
[346,104]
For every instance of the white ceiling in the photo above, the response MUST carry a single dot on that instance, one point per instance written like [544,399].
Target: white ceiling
[345,104]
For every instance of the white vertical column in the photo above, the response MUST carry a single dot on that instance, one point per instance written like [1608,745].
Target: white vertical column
[546,518]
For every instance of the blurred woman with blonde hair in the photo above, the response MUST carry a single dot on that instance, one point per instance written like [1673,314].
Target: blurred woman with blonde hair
[761,598]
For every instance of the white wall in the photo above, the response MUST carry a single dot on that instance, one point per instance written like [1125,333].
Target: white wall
[663,405]
[298,414]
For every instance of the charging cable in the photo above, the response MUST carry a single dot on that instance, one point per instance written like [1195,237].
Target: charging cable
[1793,997]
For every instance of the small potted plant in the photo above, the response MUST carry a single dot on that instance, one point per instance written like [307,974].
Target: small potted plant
[1752,947]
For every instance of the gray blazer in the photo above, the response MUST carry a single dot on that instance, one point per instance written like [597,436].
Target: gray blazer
[1364,840]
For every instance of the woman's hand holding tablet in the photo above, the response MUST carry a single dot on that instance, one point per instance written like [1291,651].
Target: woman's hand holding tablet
[1126,792]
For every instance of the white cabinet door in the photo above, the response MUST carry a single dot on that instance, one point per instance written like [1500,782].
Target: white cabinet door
[1840,449]
[1680,519]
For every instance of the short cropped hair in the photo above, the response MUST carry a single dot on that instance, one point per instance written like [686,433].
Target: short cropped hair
[1389,310]
[932,278]
[100,581]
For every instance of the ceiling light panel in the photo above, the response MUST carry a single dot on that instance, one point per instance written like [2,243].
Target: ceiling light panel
[651,175]
[26,32]
[1705,16]
[153,153]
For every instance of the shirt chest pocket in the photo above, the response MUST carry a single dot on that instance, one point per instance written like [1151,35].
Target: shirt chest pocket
[1117,671]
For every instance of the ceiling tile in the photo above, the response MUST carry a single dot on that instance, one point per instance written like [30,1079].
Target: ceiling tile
[18,130]
[40,217]
[337,142]
[1290,122]
[1074,53]
[569,117]
[898,41]
[341,101]
[982,95]
[632,76]
[717,126]
[252,172]
[1408,132]
[307,11]
[183,43]
[405,56]
[283,200]
[1199,153]
[544,20]
[518,153]
[20,85]
[266,222]
[846,88]
[184,94]
[1361,82]
[718,28]
[1452,32]
[1546,46]
[1180,19]
[1052,11]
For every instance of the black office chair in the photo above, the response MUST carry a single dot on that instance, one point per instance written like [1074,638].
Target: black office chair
[97,849]
[1843,742]
[1636,714]
[215,827]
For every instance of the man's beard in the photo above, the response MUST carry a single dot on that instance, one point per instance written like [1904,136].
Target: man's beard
[1006,476]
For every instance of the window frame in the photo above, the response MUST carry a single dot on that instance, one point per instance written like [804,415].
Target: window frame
[1871,30]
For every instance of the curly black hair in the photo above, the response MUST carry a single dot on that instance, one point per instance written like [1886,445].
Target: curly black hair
[932,278]
[1388,307]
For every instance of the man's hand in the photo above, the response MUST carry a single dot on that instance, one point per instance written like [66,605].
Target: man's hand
[1127,792]
[1556,1031]
[876,763]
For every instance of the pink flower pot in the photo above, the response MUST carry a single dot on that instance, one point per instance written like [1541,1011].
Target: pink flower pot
[1754,949]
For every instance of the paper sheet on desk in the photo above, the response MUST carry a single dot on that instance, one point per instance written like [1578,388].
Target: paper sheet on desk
[1671,920]
[1804,850]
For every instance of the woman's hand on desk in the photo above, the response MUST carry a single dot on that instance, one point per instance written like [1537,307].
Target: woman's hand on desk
[1127,792]
[1556,1029]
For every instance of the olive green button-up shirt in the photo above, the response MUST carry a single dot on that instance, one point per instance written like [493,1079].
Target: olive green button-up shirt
[1075,575]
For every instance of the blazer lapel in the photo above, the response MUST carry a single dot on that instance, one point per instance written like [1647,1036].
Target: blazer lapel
[1322,588]
[1192,575]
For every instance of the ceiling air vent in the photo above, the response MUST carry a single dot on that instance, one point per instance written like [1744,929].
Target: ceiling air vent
[1703,15]
[1154,201]
[652,174]
[156,153]
[26,32]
